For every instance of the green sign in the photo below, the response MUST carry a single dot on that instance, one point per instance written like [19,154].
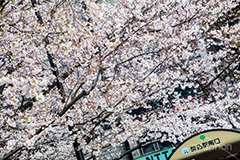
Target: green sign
[206,142]
[160,155]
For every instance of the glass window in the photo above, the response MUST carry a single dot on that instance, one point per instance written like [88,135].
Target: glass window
[148,148]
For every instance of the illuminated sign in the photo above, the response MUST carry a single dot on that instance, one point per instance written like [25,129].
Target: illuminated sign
[160,155]
[204,142]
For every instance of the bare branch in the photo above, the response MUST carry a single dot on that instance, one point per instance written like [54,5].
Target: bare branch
[187,20]
[125,40]
[8,155]
[214,79]
[82,94]
[70,104]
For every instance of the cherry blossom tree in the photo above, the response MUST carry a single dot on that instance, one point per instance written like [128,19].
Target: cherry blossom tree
[72,72]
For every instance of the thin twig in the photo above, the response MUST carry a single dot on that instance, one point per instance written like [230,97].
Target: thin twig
[187,20]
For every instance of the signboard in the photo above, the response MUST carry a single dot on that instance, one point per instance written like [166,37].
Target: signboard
[160,155]
[208,141]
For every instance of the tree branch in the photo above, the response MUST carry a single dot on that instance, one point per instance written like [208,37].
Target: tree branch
[8,155]
[70,104]
[63,76]
[187,20]
[234,59]
[125,40]
[82,94]
[222,20]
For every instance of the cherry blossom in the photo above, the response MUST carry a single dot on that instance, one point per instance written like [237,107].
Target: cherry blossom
[75,70]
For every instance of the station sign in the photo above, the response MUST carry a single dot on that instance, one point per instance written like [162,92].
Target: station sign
[213,141]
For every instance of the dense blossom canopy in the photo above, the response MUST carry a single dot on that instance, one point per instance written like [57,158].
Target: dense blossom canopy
[74,70]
